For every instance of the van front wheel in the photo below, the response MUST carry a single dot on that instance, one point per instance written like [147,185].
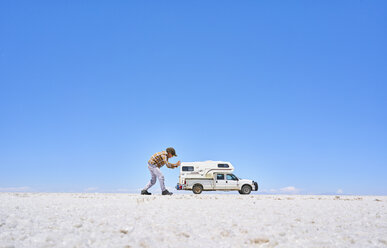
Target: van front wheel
[246,189]
[197,189]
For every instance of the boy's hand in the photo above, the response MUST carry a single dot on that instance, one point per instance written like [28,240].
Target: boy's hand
[178,163]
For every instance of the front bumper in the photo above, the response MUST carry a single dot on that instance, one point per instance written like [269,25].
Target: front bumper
[256,186]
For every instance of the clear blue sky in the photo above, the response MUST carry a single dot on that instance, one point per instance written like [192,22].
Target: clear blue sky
[293,93]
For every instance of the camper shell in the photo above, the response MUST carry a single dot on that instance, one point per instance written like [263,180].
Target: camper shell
[205,169]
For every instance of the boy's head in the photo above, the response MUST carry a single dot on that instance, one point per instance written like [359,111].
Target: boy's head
[171,152]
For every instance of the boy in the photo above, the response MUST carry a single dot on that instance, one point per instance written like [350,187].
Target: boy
[157,161]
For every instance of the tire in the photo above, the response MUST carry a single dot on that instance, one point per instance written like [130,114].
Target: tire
[240,192]
[246,189]
[197,189]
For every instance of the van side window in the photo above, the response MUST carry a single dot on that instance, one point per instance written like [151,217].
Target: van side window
[188,168]
[220,177]
[223,166]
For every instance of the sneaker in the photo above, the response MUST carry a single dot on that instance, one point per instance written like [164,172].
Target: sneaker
[145,192]
[166,192]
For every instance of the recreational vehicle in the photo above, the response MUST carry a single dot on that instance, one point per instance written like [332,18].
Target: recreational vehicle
[211,176]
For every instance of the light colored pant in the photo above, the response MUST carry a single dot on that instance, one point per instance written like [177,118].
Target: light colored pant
[155,173]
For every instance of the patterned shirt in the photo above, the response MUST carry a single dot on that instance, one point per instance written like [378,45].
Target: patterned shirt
[160,159]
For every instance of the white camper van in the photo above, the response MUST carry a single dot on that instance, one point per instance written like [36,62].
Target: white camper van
[212,175]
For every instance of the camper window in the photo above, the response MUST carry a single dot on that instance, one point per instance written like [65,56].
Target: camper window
[188,168]
[223,166]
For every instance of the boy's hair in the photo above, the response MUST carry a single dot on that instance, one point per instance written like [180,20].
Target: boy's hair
[172,151]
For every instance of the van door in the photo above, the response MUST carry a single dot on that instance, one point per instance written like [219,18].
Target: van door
[232,182]
[220,182]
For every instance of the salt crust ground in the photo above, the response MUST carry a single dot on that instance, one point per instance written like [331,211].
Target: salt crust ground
[123,220]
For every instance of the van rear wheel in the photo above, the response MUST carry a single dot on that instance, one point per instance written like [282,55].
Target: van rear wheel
[246,189]
[197,189]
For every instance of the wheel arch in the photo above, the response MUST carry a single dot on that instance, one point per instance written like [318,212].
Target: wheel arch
[246,184]
[197,184]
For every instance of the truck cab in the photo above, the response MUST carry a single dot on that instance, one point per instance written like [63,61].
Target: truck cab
[226,181]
